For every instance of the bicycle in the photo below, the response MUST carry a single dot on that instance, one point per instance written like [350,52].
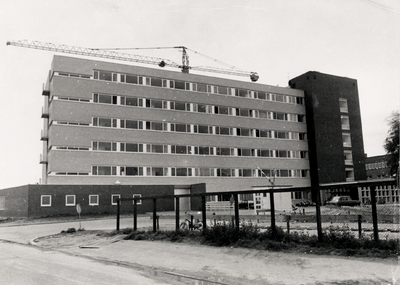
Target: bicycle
[187,225]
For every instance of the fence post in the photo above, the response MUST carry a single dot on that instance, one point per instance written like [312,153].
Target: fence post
[203,213]
[154,215]
[318,213]
[288,223]
[135,215]
[359,226]
[236,198]
[374,212]
[177,213]
[118,212]
[272,204]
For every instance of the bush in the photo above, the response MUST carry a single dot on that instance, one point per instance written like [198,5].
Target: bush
[69,231]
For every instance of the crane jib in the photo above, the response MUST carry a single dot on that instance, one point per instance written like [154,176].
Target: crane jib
[109,54]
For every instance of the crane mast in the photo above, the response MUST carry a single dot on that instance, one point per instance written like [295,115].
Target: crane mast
[109,54]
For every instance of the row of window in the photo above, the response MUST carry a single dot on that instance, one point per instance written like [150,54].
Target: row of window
[94,200]
[381,193]
[197,129]
[376,165]
[194,86]
[196,150]
[196,172]
[194,107]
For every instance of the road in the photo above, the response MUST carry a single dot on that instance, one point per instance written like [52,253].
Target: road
[21,264]
[24,264]
[149,262]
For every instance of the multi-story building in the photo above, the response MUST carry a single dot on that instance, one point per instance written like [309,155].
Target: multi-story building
[336,148]
[377,167]
[107,123]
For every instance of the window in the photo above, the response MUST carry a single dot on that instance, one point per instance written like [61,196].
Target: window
[114,199]
[93,200]
[45,200]
[156,82]
[243,132]
[346,140]
[155,171]
[2,203]
[343,105]
[204,172]
[224,172]
[129,124]
[133,147]
[131,101]
[131,79]
[345,122]
[70,200]
[224,151]
[139,202]
[104,75]
[281,135]
[132,171]
[348,157]
[182,128]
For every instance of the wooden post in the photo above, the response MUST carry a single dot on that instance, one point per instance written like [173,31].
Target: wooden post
[272,204]
[135,215]
[237,220]
[374,212]
[203,214]
[177,213]
[288,223]
[154,215]
[118,212]
[318,213]
[359,226]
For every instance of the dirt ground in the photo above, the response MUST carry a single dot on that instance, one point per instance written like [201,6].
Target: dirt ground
[226,265]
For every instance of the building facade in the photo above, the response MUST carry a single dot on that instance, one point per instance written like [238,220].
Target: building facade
[107,123]
[333,126]
[377,167]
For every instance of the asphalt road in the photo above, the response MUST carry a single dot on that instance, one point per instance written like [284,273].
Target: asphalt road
[24,264]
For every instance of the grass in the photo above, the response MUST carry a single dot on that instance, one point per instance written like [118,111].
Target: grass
[336,241]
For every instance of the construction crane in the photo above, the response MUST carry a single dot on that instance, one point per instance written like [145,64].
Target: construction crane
[112,54]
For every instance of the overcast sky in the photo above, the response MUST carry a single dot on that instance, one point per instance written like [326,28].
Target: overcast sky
[278,39]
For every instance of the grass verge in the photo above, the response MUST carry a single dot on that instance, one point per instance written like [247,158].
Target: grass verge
[336,241]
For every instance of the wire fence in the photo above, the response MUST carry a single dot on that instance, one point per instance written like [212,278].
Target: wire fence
[376,215]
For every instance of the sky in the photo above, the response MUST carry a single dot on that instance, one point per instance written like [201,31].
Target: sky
[279,40]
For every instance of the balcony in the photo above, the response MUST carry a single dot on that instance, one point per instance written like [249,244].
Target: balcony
[44,135]
[45,113]
[43,158]
[45,92]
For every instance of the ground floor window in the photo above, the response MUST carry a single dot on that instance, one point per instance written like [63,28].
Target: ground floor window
[114,199]
[93,200]
[139,202]
[45,200]
[70,200]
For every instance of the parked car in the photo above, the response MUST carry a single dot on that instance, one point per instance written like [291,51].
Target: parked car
[305,203]
[343,201]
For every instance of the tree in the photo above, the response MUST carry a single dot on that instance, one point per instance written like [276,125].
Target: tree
[392,143]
